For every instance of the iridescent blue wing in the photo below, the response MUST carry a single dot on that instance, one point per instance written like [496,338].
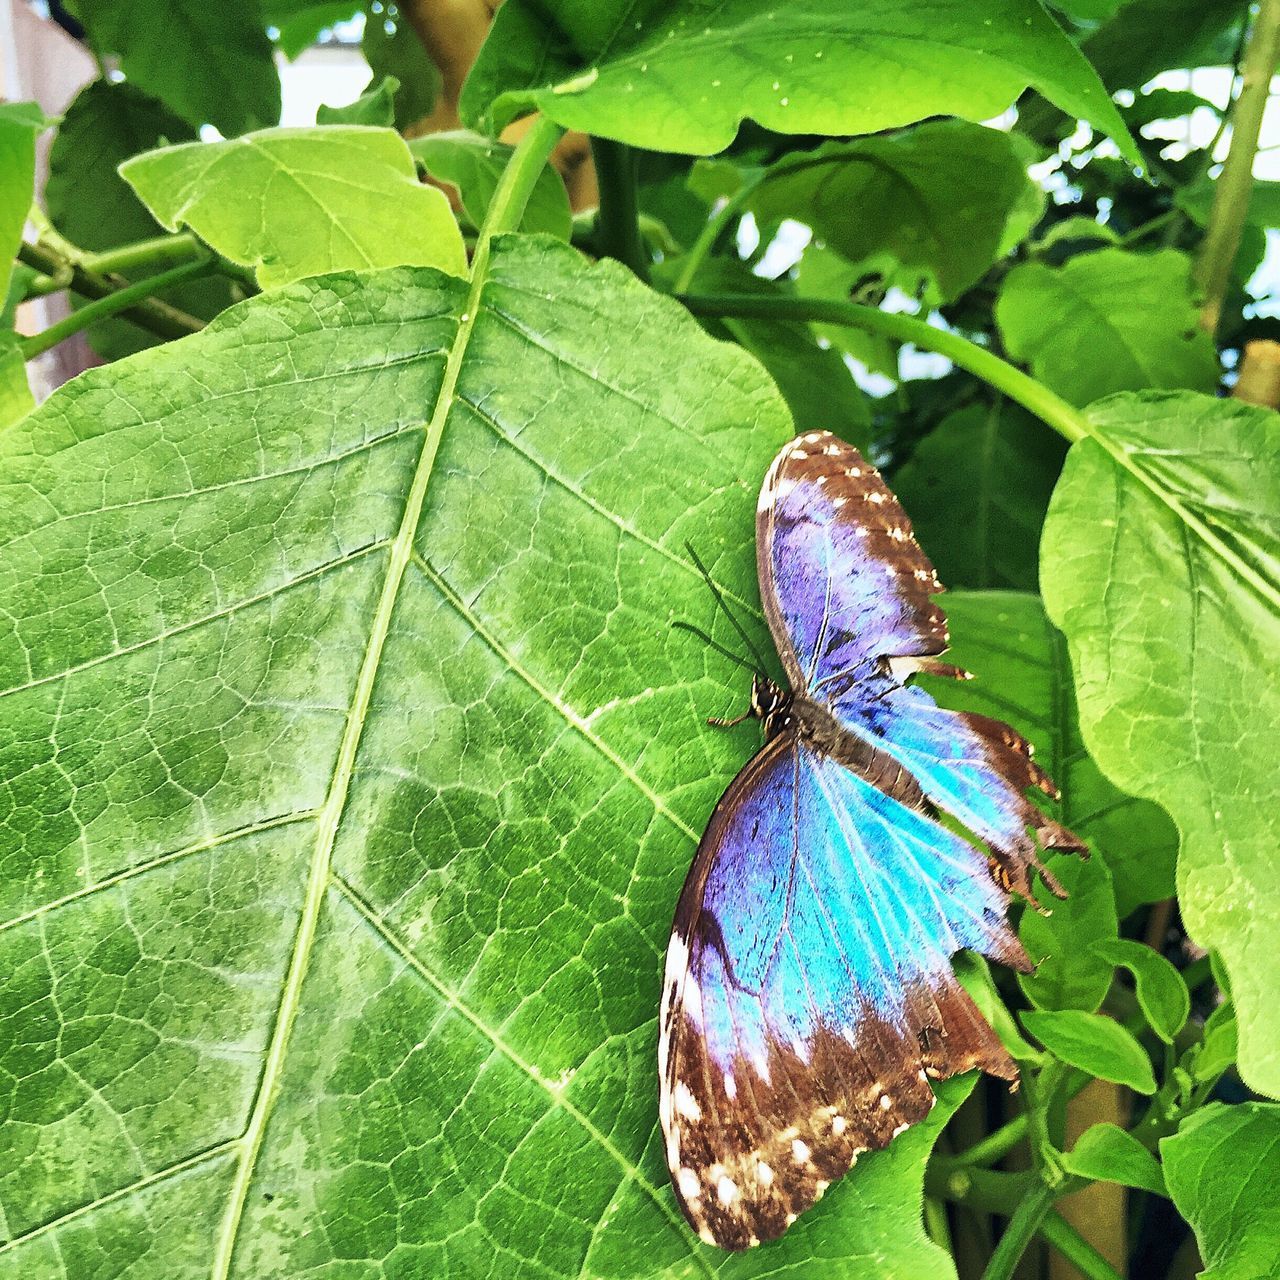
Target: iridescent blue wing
[809,993]
[848,596]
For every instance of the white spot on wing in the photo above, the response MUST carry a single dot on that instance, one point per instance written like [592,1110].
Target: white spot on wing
[730,1086]
[902,1128]
[764,1174]
[693,1001]
[800,1151]
[688,1183]
[798,454]
[838,1125]
[727,1190]
[885,1101]
[686,1103]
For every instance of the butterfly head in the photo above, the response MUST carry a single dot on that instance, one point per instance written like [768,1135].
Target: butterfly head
[770,704]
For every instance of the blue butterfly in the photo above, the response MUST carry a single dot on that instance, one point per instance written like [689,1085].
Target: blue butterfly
[808,994]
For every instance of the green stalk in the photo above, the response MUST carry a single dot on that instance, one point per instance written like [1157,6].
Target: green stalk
[1026,1221]
[618,230]
[112,304]
[1068,421]
[159,251]
[711,232]
[1235,183]
[151,314]
[514,188]
[1058,1232]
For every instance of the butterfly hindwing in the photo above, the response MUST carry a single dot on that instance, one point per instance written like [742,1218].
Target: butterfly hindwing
[809,994]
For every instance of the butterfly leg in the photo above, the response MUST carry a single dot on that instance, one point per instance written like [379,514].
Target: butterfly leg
[719,722]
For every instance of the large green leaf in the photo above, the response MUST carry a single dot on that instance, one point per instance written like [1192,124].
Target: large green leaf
[976,488]
[299,202]
[681,75]
[352,770]
[1221,1171]
[1161,563]
[1022,676]
[936,205]
[1108,321]
[92,205]
[1095,1044]
[211,63]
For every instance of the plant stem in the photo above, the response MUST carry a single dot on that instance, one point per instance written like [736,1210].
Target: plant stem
[1058,1232]
[514,188]
[1026,1221]
[1235,184]
[160,251]
[112,304]
[618,231]
[151,314]
[935,1222]
[711,232]
[1068,421]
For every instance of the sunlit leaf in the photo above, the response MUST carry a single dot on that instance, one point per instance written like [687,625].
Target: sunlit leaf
[1162,994]
[680,75]
[1095,1044]
[1161,563]
[1106,1153]
[298,202]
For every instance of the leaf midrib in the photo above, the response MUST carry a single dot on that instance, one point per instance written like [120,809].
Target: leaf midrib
[318,874]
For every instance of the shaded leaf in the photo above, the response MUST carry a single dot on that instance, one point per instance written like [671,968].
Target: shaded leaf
[210,63]
[1220,1167]
[375,107]
[681,76]
[300,22]
[1095,1044]
[1218,1049]
[392,48]
[352,773]
[936,205]
[1162,994]
[976,488]
[1107,1153]
[92,205]
[473,164]
[15,392]
[298,202]
[1159,562]
[1107,321]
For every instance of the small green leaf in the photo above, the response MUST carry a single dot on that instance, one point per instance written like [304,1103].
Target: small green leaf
[1221,1171]
[1107,1153]
[211,63]
[1162,994]
[299,22]
[20,124]
[1159,562]
[1074,230]
[1219,1046]
[473,164]
[975,976]
[1070,970]
[298,202]
[682,76]
[977,488]
[375,107]
[391,48]
[1094,1043]
[1135,308]
[937,204]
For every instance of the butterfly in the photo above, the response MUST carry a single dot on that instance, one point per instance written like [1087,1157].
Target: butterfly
[808,995]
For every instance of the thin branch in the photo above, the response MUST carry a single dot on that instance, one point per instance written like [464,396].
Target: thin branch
[123,300]
[1045,404]
[1235,183]
[618,229]
[151,314]
[1058,1232]
[1027,1219]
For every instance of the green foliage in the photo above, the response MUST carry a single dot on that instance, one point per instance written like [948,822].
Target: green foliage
[473,165]
[208,62]
[1135,308]
[1220,1167]
[935,205]
[1107,1153]
[683,76]
[977,488]
[1094,1043]
[297,202]
[1166,616]
[349,764]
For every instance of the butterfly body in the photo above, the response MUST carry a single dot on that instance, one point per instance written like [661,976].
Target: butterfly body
[808,994]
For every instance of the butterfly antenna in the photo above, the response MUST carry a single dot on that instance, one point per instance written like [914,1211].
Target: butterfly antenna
[714,644]
[720,600]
